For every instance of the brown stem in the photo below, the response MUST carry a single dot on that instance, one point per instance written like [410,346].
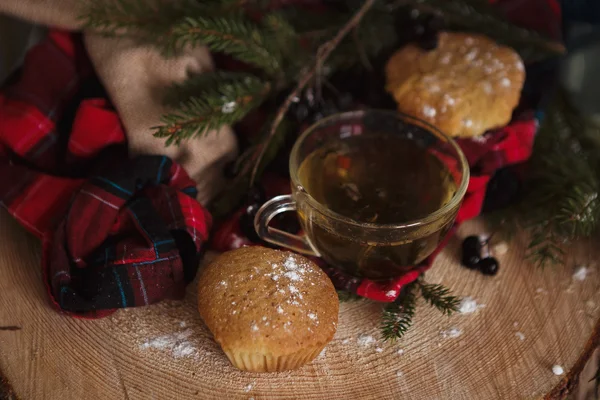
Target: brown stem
[324,51]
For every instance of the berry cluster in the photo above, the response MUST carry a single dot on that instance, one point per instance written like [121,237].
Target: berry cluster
[474,257]
[310,107]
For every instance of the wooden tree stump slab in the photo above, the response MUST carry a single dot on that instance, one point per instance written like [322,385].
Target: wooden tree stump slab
[532,319]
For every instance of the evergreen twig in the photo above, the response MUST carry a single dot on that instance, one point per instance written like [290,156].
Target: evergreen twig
[397,317]
[232,34]
[148,21]
[219,99]
[439,296]
[561,203]
[322,54]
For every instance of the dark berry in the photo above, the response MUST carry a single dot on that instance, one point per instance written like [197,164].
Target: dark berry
[428,41]
[247,223]
[419,30]
[228,235]
[256,196]
[471,252]
[300,110]
[488,266]
[434,23]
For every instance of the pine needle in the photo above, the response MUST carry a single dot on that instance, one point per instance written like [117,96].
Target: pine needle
[234,35]
[397,317]
[439,296]
[209,101]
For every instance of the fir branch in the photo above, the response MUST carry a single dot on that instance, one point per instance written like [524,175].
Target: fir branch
[147,21]
[219,99]
[233,35]
[397,317]
[322,54]
[439,296]
[544,248]
[561,203]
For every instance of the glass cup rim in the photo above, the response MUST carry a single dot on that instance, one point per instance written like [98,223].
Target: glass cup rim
[437,214]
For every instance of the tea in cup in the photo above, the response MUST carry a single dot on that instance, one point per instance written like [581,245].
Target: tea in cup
[375,192]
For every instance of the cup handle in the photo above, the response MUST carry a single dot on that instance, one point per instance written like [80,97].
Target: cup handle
[267,212]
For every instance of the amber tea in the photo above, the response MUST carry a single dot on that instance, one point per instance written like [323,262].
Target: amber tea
[376,179]
[375,191]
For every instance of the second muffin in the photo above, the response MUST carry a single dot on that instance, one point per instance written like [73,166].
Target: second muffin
[269,310]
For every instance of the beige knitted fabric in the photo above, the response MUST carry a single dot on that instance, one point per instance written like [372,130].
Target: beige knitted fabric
[135,78]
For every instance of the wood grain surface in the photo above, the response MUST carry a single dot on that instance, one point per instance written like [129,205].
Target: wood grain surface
[532,320]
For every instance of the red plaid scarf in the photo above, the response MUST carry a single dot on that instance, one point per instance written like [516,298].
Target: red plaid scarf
[116,232]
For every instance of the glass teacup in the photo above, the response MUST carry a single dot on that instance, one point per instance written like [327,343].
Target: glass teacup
[375,192]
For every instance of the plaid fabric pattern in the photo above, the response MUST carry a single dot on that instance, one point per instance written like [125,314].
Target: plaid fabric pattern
[116,232]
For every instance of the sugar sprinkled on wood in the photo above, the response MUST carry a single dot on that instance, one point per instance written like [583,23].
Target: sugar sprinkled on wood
[557,370]
[580,274]
[176,342]
[365,340]
[468,305]
[451,333]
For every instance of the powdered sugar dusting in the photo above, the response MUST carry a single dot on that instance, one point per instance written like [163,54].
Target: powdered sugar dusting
[471,55]
[391,294]
[449,100]
[580,274]
[429,111]
[292,275]
[365,340]
[229,107]
[557,370]
[177,343]
[451,333]
[468,305]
